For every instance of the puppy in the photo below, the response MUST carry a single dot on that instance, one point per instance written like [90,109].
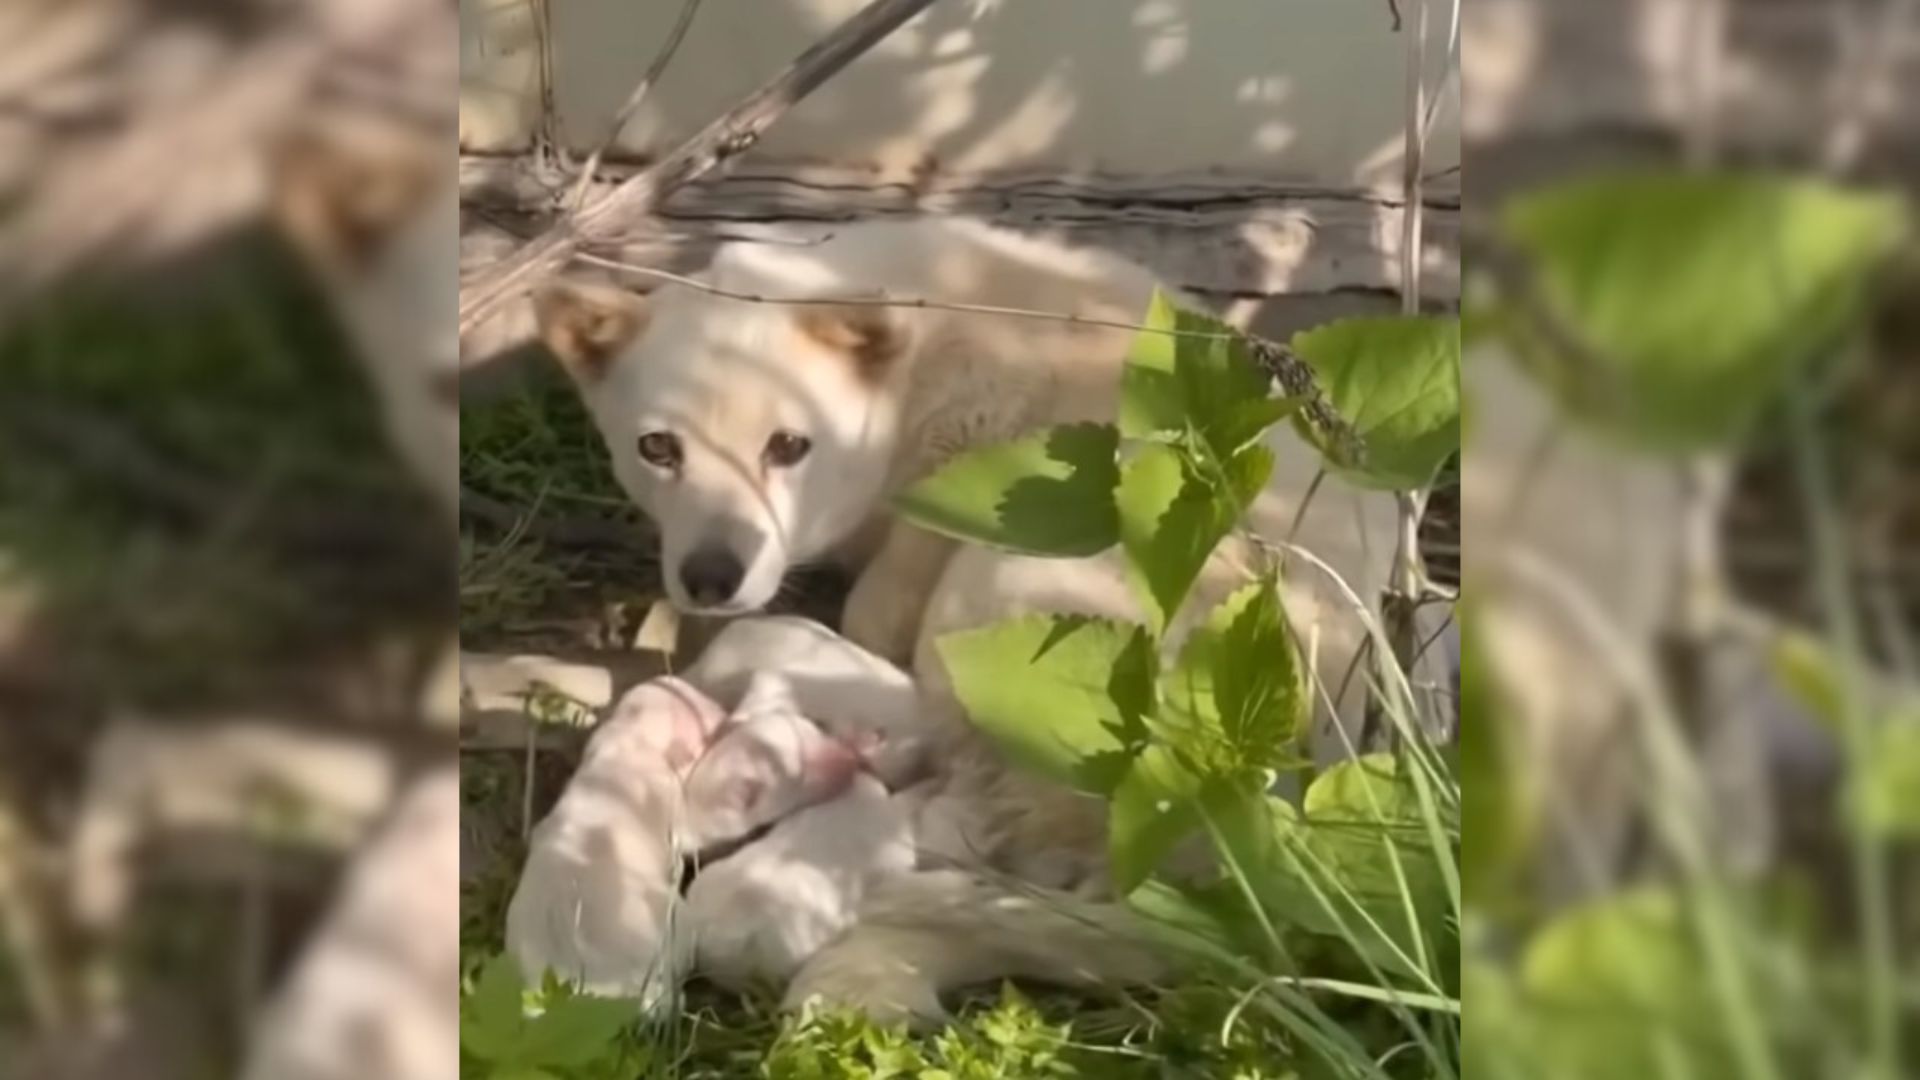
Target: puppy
[770,762]
[757,915]
[850,692]
[596,897]
[372,996]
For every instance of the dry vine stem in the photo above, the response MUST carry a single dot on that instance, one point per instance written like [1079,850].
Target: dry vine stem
[633,102]
[732,134]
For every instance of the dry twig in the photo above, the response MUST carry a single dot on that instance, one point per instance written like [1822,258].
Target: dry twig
[727,137]
[633,103]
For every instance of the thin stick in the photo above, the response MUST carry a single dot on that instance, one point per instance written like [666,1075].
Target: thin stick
[1403,591]
[727,137]
[633,102]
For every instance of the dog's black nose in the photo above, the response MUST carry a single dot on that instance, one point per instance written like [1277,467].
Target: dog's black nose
[711,575]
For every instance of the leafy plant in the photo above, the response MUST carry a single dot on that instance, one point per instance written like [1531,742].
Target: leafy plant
[563,1035]
[1672,309]
[1356,882]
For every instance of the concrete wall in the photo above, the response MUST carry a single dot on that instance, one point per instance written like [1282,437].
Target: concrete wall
[1302,90]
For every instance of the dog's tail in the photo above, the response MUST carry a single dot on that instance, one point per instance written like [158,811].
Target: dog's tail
[926,934]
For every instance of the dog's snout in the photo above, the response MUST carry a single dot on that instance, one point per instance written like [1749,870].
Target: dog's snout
[711,575]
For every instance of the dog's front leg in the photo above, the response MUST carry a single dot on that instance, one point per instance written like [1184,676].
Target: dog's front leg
[886,604]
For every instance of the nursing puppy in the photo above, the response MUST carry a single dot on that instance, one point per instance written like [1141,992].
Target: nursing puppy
[849,692]
[596,896]
[757,915]
[770,762]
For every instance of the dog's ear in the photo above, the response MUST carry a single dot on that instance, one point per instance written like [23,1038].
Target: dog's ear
[587,324]
[870,336]
[341,192]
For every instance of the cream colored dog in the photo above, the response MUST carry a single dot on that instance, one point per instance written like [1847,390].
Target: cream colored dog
[761,437]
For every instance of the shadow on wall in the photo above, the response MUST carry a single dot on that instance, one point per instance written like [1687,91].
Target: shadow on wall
[1291,89]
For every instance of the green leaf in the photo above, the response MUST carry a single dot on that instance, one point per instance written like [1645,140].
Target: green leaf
[1621,987]
[1885,793]
[1050,493]
[1213,918]
[1698,295]
[1257,682]
[1494,822]
[490,1016]
[1154,808]
[1198,378]
[1257,723]
[1365,846]
[1396,381]
[575,1030]
[1152,401]
[1064,695]
[1172,515]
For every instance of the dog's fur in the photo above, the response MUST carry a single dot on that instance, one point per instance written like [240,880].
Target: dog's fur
[373,208]
[885,394]
[851,693]
[758,914]
[595,897]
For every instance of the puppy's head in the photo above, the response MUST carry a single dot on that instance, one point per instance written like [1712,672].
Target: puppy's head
[769,762]
[674,721]
[757,436]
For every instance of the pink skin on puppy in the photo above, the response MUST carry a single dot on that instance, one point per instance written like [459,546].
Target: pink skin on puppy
[769,762]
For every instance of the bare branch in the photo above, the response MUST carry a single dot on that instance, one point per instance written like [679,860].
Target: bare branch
[633,103]
[727,137]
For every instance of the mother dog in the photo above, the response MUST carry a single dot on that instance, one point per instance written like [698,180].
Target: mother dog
[761,437]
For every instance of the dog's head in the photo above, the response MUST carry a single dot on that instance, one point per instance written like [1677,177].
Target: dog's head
[757,436]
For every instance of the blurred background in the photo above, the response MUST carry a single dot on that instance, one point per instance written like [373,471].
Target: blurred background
[226,592]
[1692,492]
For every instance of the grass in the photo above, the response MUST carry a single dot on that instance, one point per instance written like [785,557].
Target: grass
[196,489]
[1334,1013]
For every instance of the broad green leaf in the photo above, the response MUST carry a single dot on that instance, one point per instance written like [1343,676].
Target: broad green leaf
[1396,380]
[1371,788]
[575,1030]
[1365,847]
[1172,515]
[1152,401]
[1619,986]
[1199,378]
[1494,820]
[1696,296]
[1050,493]
[1885,792]
[1257,681]
[490,1016]
[1213,918]
[1154,808]
[1265,704]
[1063,695]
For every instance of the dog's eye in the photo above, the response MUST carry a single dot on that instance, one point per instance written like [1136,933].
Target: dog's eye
[785,448]
[660,449]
